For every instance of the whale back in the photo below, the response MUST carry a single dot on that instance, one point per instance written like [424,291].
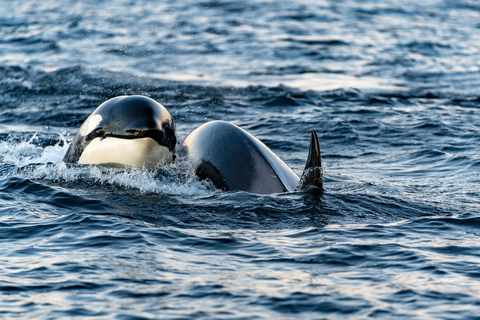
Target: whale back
[233,159]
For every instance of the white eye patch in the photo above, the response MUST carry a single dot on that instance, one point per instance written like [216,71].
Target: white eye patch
[90,124]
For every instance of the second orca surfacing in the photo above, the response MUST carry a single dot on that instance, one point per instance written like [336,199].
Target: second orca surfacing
[233,159]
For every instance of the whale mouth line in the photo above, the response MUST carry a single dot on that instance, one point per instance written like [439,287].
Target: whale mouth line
[165,137]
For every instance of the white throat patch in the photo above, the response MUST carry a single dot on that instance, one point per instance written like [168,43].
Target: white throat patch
[144,153]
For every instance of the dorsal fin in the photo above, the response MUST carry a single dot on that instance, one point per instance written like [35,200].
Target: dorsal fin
[312,174]
[314,159]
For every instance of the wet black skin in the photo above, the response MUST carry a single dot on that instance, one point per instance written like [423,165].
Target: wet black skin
[233,159]
[127,117]
[312,174]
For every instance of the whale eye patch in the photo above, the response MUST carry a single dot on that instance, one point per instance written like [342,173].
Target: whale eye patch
[90,125]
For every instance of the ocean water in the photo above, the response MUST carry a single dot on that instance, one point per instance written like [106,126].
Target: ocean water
[391,87]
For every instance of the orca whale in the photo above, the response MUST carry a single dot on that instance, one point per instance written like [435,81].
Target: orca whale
[233,159]
[126,130]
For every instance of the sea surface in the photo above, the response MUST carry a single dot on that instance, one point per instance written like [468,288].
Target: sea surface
[391,87]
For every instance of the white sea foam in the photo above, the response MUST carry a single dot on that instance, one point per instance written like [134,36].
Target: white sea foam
[29,152]
[146,181]
[39,163]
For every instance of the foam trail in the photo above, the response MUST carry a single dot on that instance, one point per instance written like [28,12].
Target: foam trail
[146,181]
[29,152]
[39,163]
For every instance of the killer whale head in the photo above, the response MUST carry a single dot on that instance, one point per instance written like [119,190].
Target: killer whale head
[127,130]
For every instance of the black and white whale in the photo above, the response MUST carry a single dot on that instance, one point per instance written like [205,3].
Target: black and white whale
[233,159]
[127,130]
[138,131]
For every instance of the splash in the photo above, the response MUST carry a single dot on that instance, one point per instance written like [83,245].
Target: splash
[23,153]
[32,161]
[161,181]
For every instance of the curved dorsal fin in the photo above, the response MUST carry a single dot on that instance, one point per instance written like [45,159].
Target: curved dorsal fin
[312,174]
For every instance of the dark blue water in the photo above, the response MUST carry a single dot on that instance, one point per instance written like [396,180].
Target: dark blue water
[391,87]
